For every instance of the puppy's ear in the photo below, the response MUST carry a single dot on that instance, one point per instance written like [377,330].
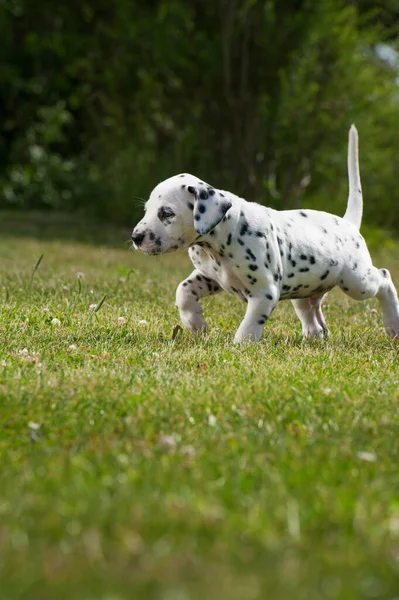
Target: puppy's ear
[210,206]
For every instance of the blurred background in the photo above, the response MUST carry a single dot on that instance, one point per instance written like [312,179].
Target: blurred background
[102,99]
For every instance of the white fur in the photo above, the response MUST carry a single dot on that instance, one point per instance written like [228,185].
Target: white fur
[262,255]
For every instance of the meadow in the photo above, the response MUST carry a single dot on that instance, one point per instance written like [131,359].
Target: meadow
[140,462]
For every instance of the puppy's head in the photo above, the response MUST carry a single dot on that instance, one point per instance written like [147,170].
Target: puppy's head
[179,210]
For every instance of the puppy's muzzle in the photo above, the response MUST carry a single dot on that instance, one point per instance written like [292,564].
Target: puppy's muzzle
[138,238]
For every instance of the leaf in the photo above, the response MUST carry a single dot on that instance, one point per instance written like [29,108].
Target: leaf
[99,305]
[35,268]
[176,331]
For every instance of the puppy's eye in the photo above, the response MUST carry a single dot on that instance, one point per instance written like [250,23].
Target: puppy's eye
[165,213]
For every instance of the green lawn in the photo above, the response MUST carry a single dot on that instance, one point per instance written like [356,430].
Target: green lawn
[135,466]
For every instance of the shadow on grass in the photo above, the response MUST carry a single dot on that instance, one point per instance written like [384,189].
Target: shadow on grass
[47,226]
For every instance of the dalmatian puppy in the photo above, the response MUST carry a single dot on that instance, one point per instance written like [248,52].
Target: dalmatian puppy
[262,255]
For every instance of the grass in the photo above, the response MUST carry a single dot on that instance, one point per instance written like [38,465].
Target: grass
[137,466]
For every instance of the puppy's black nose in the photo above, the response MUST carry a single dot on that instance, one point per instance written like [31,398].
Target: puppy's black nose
[137,237]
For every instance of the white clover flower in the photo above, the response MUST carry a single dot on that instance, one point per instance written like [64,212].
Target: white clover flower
[143,322]
[56,322]
[211,420]
[168,441]
[33,425]
[367,456]
[92,307]
[121,320]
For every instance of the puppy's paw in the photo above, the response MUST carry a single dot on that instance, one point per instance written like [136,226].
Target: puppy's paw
[195,322]
[248,335]
[314,333]
[393,331]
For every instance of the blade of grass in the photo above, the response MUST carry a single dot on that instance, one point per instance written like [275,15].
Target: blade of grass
[35,268]
[99,305]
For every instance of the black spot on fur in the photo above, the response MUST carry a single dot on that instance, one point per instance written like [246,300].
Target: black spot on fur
[240,241]
[203,195]
[244,229]
[202,208]
[269,296]
[303,214]
[312,260]
[228,242]
[304,270]
[303,257]
[253,267]
[325,275]
[190,205]
[291,275]
[286,287]
[191,189]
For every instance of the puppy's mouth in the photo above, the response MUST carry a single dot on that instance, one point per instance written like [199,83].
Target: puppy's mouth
[153,251]
[156,249]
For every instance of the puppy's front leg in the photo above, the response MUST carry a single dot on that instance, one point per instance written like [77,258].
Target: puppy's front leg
[259,309]
[188,293]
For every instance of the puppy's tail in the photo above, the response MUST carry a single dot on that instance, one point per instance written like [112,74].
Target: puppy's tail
[354,209]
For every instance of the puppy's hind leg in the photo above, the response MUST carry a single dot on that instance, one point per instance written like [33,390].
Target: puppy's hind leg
[375,282]
[188,293]
[311,317]
[316,302]
[388,297]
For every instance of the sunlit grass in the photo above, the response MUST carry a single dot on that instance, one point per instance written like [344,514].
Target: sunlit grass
[134,465]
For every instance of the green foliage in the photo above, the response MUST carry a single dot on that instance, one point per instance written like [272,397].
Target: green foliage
[254,96]
[134,466]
